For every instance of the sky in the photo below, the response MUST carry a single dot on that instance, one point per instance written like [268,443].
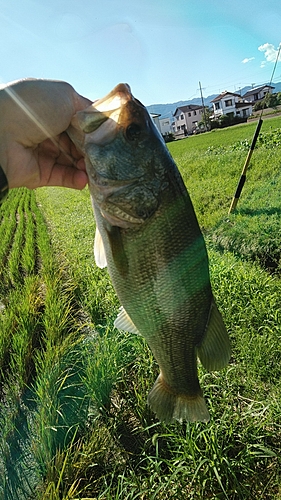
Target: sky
[161,48]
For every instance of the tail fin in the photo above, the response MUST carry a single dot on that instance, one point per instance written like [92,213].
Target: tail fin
[168,405]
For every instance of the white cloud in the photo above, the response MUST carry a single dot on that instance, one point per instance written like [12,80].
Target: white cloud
[247,59]
[270,53]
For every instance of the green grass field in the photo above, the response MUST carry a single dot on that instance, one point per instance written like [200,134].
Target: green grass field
[73,417]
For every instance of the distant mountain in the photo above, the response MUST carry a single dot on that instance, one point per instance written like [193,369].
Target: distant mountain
[167,110]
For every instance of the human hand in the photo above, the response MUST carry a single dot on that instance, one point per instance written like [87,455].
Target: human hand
[35,150]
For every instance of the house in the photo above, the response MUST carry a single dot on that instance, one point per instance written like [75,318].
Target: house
[186,119]
[232,104]
[258,93]
[155,119]
[165,126]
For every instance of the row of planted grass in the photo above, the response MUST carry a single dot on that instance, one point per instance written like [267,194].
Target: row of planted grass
[39,322]
[128,454]
[56,371]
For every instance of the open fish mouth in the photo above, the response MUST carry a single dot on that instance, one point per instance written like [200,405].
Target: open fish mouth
[94,120]
[101,121]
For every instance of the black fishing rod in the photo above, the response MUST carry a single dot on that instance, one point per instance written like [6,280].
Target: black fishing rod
[250,152]
[244,170]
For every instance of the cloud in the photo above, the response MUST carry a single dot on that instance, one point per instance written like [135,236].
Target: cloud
[270,53]
[247,59]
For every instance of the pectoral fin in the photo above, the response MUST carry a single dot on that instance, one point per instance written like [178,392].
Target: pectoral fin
[124,322]
[99,251]
[214,352]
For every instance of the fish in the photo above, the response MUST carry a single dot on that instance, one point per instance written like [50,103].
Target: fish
[148,236]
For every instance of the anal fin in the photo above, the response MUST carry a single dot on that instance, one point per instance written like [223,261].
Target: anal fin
[215,350]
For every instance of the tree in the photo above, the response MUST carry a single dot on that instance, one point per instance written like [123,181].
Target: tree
[269,101]
[206,120]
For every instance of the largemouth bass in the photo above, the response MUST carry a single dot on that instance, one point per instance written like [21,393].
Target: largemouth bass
[150,240]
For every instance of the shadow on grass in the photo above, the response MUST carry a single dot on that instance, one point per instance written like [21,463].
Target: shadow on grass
[251,234]
[22,478]
[258,211]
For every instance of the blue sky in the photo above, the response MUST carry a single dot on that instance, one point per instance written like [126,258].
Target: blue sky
[162,48]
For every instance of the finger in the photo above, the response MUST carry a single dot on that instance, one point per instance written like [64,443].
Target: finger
[65,176]
[60,148]
[38,109]
[80,102]
[81,164]
[68,147]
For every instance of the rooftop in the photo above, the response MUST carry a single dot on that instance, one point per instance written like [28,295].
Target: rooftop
[224,94]
[188,107]
[256,90]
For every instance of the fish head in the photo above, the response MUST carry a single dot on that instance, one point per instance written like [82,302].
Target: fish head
[122,148]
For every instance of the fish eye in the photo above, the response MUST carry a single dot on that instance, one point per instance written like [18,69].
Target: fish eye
[133,131]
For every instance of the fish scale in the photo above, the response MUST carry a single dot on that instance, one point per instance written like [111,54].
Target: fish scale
[150,240]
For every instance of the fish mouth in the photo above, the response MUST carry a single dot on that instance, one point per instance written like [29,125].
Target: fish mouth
[119,96]
[102,120]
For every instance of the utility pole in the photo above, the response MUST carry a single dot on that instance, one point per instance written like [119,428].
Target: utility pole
[204,112]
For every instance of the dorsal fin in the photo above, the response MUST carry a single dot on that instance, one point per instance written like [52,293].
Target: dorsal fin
[99,251]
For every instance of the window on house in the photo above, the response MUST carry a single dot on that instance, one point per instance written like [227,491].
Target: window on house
[182,117]
[183,127]
[217,105]
[189,114]
[228,103]
[178,128]
[194,112]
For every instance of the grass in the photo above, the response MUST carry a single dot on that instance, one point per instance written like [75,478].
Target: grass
[212,172]
[39,322]
[74,420]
